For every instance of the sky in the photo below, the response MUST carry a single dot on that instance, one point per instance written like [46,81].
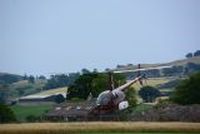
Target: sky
[62,36]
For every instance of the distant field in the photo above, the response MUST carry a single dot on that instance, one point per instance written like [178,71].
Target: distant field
[53,91]
[101,127]
[181,62]
[45,93]
[22,112]
[24,87]
[153,82]
[195,60]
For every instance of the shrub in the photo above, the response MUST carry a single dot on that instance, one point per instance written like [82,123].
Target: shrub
[33,118]
[188,91]
[6,114]
[149,93]
[131,97]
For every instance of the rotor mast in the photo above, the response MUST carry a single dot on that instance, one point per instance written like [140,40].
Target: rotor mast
[110,81]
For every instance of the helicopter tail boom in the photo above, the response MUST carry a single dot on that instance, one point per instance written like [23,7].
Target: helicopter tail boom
[123,87]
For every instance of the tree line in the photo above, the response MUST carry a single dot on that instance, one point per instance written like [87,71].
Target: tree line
[93,83]
[195,54]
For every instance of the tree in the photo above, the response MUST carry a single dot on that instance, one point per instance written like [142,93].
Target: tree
[9,78]
[42,77]
[188,91]
[92,83]
[131,97]
[4,91]
[85,71]
[149,93]
[95,70]
[32,118]
[197,53]
[61,80]
[6,114]
[31,79]
[25,77]
[82,86]
[59,98]
[192,67]
[107,69]
[175,70]
[189,55]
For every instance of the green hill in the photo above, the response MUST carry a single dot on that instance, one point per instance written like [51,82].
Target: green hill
[182,62]
[6,78]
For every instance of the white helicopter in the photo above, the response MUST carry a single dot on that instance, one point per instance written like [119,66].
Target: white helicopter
[114,98]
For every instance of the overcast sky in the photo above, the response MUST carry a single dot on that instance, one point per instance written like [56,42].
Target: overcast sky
[61,36]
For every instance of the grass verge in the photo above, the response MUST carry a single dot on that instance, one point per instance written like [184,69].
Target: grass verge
[100,127]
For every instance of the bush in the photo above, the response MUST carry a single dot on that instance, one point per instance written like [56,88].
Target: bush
[188,91]
[93,83]
[6,114]
[197,53]
[59,98]
[149,93]
[32,118]
[189,55]
[131,97]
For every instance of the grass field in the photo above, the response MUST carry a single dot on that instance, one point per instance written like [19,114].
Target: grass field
[101,127]
[54,91]
[24,87]
[154,82]
[42,94]
[142,108]
[142,133]
[22,112]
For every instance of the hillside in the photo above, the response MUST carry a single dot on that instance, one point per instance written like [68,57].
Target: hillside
[195,60]
[24,87]
[6,78]
[55,91]
[176,68]
[181,62]
[17,86]
[155,82]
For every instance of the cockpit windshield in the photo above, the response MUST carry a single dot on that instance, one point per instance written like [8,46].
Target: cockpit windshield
[104,98]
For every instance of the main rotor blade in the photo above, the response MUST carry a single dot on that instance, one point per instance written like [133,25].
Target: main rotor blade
[141,69]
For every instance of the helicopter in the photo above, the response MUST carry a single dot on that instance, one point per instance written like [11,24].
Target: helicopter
[113,99]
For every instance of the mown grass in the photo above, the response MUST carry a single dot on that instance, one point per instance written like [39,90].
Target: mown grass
[142,108]
[142,133]
[21,112]
[53,91]
[152,82]
[100,127]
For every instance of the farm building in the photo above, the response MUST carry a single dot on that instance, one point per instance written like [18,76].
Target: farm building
[46,97]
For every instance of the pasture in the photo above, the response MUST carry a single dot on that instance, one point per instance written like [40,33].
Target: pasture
[22,112]
[43,94]
[154,82]
[101,127]
[54,91]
